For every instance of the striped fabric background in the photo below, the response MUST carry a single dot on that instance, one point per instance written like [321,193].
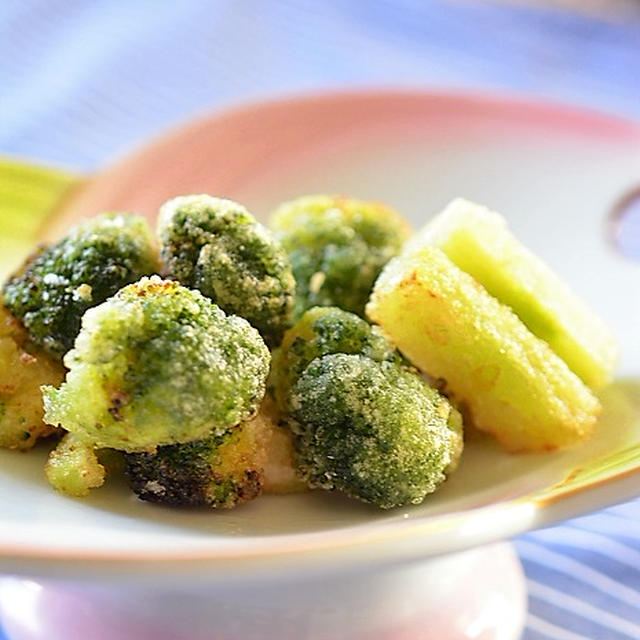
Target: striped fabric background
[83,81]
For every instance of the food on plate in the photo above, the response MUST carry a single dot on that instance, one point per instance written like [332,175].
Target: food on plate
[280,474]
[478,241]
[24,367]
[322,331]
[59,283]
[169,378]
[73,467]
[158,364]
[350,413]
[510,382]
[220,471]
[371,430]
[337,247]
[217,247]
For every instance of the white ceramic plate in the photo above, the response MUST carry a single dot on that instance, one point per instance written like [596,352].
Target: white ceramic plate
[554,172]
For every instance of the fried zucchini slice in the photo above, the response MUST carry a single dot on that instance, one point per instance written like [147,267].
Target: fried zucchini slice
[478,241]
[511,383]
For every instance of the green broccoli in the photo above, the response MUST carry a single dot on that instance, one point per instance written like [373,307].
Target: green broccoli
[319,332]
[158,364]
[220,471]
[59,283]
[217,247]
[337,247]
[371,430]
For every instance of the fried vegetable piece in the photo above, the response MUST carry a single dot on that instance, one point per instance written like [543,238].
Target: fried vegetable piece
[221,471]
[57,285]
[322,331]
[478,241]
[218,247]
[73,467]
[337,247]
[158,364]
[456,438]
[512,384]
[371,430]
[23,369]
[280,474]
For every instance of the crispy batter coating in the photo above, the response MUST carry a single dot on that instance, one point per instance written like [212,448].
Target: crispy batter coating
[371,430]
[217,247]
[478,241]
[73,467]
[221,471]
[510,382]
[280,473]
[158,364]
[23,369]
[319,332]
[59,283]
[337,247]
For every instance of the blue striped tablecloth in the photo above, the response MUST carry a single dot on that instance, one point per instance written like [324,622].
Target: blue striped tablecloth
[82,81]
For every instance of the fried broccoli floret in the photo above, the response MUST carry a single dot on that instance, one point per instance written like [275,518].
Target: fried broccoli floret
[73,467]
[217,247]
[23,369]
[158,364]
[219,472]
[320,332]
[337,247]
[58,284]
[372,430]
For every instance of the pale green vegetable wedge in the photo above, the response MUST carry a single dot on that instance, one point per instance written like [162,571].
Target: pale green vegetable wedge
[478,241]
[509,381]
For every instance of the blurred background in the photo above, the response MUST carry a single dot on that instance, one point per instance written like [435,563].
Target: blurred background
[84,82]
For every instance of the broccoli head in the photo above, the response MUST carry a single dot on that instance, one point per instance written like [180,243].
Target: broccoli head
[371,430]
[320,332]
[220,471]
[23,369]
[217,247]
[337,247]
[59,283]
[158,364]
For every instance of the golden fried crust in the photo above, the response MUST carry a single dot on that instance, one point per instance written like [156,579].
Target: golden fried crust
[511,383]
[280,474]
[23,369]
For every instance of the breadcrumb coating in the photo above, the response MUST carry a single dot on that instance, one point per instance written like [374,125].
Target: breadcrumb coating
[337,247]
[158,364]
[371,430]
[218,247]
[59,283]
